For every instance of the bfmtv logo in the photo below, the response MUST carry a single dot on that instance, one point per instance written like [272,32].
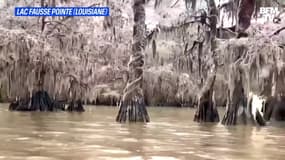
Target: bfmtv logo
[269,10]
[268,13]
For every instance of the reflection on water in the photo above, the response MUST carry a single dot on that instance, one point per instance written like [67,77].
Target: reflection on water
[94,135]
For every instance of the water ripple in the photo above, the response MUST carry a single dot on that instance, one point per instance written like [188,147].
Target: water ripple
[172,134]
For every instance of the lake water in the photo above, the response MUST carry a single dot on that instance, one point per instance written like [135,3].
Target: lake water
[94,135]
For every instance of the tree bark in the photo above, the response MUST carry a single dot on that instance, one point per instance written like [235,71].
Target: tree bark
[207,110]
[235,98]
[245,12]
[132,106]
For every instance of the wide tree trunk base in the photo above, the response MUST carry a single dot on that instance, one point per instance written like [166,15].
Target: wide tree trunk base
[75,106]
[237,112]
[233,117]
[275,109]
[206,113]
[230,117]
[207,110]
[20,105]
[40,101]
[133,111]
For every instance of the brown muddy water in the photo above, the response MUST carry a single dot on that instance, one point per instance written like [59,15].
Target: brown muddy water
[94,135]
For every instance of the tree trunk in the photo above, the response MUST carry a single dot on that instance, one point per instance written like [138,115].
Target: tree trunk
[239,104]
[206,110]
[235,99]
[43,18]
[245,12]
[132,106]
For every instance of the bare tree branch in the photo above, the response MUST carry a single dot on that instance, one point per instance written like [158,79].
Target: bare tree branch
[174,4]
[277,32]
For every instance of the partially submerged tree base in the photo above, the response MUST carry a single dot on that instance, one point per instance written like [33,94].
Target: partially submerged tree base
[41,101]
[242,108]
[229,117]
[206,113]
[132,107]
[75,106]
[235,98]
[240,115]
[207,110]
[133,110]
[232,117]
[275,108]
